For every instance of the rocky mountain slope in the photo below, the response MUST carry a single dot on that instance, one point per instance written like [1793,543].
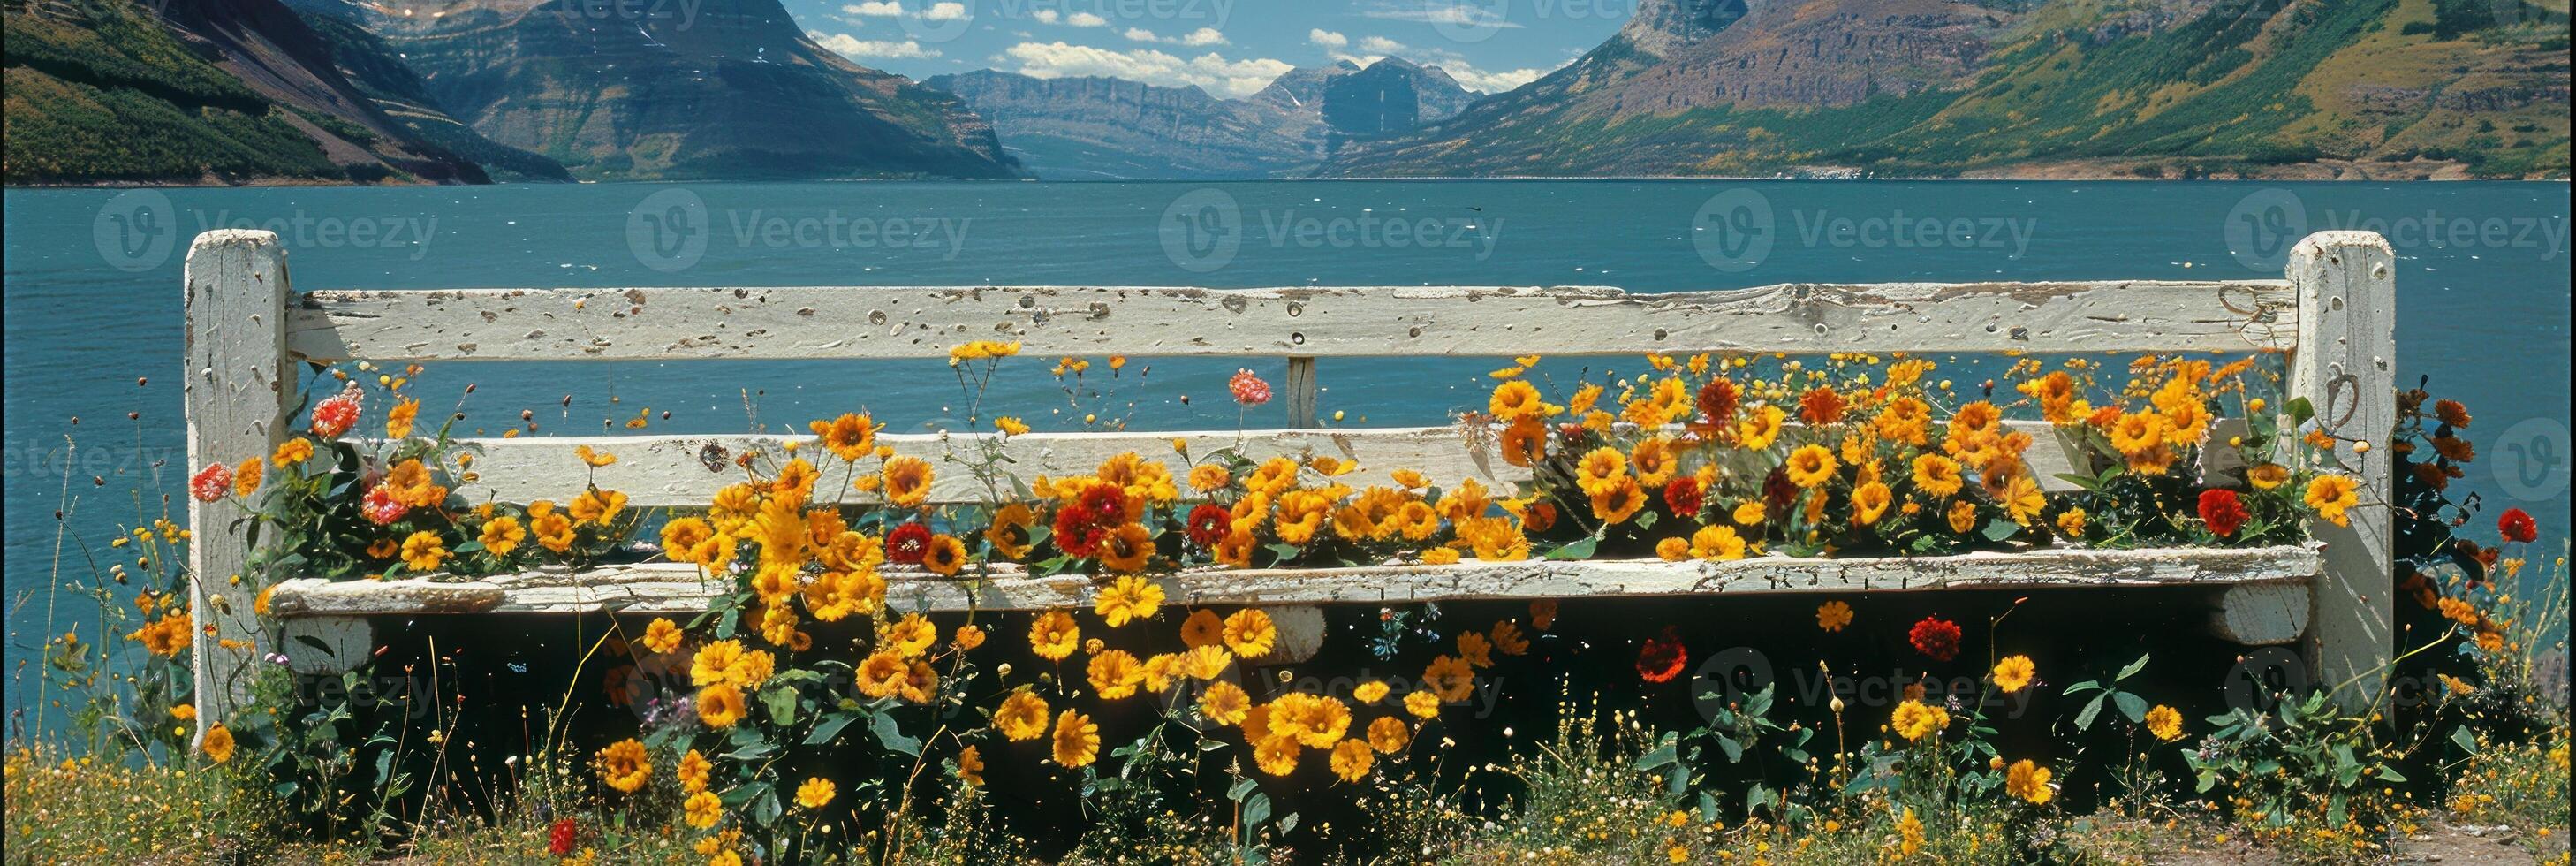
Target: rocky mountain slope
[204,91]
[1112,128]
[728,89]
[2298,88]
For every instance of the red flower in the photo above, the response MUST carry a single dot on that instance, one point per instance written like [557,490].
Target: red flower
[1662,658]
[1075,532]
[560,839]
[212,483]
[1248,389]
[1935,637]
[1717,401]
[1683,495]
[383,505]
[336,414]
[1778,491]
[2517,525]
[2223,511]
[1208,524]
[908,543]
[1106,503]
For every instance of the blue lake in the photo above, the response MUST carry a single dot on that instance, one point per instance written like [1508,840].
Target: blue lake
[93,292]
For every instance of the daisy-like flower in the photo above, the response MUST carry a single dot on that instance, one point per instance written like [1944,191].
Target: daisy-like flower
[2333,497]
[1833,615]
[625,766]
[1915,720]
[1022,716]
[1351,760]
[1128,599]
[1249,633]
[2028,781]
[2014,673]
[1115,674]
[334,415]
[2165,723]
[1077,740]
[815,793]
[1053,635]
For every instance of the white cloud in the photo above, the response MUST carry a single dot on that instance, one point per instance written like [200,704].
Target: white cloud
[946,11]
[1047,16]
[1327,38]
[1139,34]
[1210,72]
[856,48]
[1492,82]
[874,9]
[1440,12]
[1200,38]
[1381,45]
[1086,19]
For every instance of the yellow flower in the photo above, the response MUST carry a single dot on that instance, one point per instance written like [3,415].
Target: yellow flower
[1811,465]
[703,809]
[969,636]
[292,451]
[815,793]
[1370,692]
[1209,477]
[1717,544]
[398,421]
[693,771]
[218,746]
[1276,755]
[1022,716]
[1655,461]
[1915,720]
[1870,501]
[970,765]
[1759,428]
[624,766]
[1600,468]
[1128,598]
[1750,512]
[2014,673]
[1617,500]
[1077,740]
[593,458]
[503,535]
[1249,633]
[246,477]
[2267,476]
[1202,628]
[2022,499]
[944,556]
[2070,523]
[848,437]
[423,551]
[2029,782]
[2333,496]
[1053,635]
[1449,678]
[1114,674]
[1422,704]
[907,481]
[2165,723]
[1129,548]
[662,635]
[597,506]
[910,636]
[1833,615]
[1225,703]
[1673,549]
[1936,475]
[1351,760]
[1389,735]
[1011,425]
[1516,399]
[1962,516]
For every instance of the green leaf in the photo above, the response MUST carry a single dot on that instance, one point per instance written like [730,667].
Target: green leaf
[1256,811]
[2461,737]
[2084,720]
[2133,668]
[892,736]
[1999,529]
[831,727]
[2131,706]
[1239,789]
[1661,756]
[1580,548]
[2301,410]
[781,703]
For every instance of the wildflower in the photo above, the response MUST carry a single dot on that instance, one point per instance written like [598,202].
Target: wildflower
[334,415]
[1821,405]
[2222,511]
[662,635]
[2165,723]
[1716,401]
[907,481]
[1202,628]
[2022,499]
[2266,476]
[554,530]
[1833,615]
[1276,755]
[1389,735]
[1935,637]
[1870,501]
[1422,704]
[2332,496]
[218,745]
[909,543]
[211,483]
[1962,516]
[944,555]
[2029,782]
[502,534]
[702,809]
[1936,475]
[2517,525]
[1810,466]
[423,551]
[1351,760]
[560,837]
[1450,678]
[1370,692]
[624,766]
[1022,716]
[292,452]
[1249,633]
[593,458]
[2070,523]
[1717,544]
[1662,658]
[1543,614]
[693,771]
[1757,432]
[1114,674]
[1077,740]
[1613,503]
[1507,637]
[597,506]
[2014,673]
[398,421]
[1248,389]
[1516,400]
[1128,548]
[1749,512]
[970,765]
[1915,720]
[849,437]
[1128,598]
[815,793]
[910,636]
[1225,703]
[1053,635]
[246,475]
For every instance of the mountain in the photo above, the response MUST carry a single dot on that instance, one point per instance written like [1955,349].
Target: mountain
[206,91]
[728,89]
[2042,88]
[1113,128]
[1064,128]
[380,74]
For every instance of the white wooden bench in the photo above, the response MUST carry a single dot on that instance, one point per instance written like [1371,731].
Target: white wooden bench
[248,330]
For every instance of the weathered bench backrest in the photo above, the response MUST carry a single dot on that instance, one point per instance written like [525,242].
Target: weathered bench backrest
[248,329]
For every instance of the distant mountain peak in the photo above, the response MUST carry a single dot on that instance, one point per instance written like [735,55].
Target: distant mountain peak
[1662,26]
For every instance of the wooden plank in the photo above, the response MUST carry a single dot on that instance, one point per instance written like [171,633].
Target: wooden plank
[238,385]
[2346,367]
[1301,391]
[678,588]
[2261,614]
[686,471]
[923,322]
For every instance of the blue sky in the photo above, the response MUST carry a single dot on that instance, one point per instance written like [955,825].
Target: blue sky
[1229,48]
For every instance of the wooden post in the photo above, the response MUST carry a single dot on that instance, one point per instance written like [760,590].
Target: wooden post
[239,385]
[1301,392]
[2345,367]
